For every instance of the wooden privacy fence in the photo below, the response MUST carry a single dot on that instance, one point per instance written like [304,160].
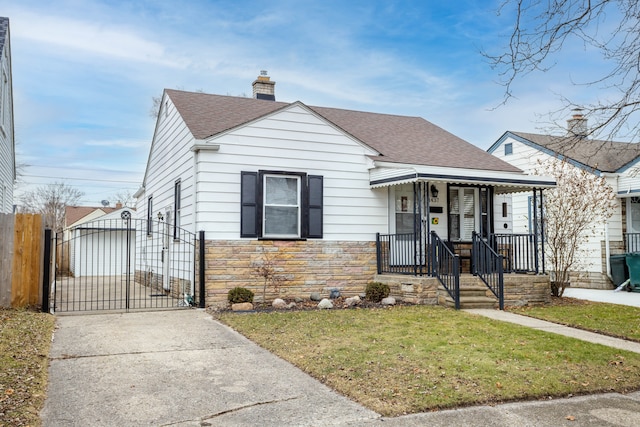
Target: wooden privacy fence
[21,259]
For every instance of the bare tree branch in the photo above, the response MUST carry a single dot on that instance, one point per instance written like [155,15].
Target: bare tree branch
[50,201]
[540,32]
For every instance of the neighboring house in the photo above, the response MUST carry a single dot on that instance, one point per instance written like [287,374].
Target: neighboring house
[617,162]
[325,197]
[7,137]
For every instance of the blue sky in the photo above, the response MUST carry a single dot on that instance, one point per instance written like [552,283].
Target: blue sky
[85,72]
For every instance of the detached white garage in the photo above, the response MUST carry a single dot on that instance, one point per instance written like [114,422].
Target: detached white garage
[104,246]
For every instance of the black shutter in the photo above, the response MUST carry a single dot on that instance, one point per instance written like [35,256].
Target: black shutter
[314,207]
[249,207]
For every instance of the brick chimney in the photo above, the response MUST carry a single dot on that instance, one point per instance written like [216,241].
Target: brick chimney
[577,124]
[118,205]
[264,88]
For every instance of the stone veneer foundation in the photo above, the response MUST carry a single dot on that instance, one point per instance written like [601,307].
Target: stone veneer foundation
[303,267]
[519,289]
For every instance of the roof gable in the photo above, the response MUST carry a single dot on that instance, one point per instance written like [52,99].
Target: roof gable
[73,214]
[598,155]
[399,139]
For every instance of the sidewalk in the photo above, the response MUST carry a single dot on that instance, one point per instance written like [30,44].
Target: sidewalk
[183,368]
[555,328]
[599,295]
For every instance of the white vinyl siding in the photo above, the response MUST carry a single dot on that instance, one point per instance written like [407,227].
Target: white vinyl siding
[293,140]
[7,145]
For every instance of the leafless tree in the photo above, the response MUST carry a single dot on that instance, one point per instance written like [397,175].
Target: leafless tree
[125,197]
[50,201]
[572,211]
[541,30]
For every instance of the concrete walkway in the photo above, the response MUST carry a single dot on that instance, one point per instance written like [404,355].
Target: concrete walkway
[182,368]
[599,295]
[555,328]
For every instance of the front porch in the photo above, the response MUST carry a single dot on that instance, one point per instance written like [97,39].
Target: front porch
[464,274]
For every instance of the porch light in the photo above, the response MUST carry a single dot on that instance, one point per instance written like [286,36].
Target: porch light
[434,191]
[160,216]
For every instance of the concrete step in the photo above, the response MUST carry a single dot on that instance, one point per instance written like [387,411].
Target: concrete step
[472,302]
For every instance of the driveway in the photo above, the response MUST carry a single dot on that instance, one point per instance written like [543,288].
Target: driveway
[178,368]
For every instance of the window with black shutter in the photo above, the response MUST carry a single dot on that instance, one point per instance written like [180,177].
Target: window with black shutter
[281,205]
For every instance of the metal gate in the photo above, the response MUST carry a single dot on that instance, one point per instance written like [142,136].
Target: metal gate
[126,264]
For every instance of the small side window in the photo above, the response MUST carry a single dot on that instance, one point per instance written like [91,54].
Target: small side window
[508,149]
[149,216]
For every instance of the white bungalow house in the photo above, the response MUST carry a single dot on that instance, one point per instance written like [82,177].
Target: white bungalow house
[617,162]
[7,139]
[327,198]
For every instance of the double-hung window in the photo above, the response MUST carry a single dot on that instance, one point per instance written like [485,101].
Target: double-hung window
[281,213]
[281,205]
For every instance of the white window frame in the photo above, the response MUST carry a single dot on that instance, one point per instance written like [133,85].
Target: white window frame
[265,205]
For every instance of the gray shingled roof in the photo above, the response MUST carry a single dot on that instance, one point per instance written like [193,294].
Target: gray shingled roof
[399,139]
[605,156]
[4,26]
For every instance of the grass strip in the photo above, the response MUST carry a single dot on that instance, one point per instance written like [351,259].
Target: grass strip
[405,360]
[25,340]
[610,319]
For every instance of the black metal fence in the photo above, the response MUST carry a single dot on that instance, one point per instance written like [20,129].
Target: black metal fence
[446,267]
[403,254]
[123,264]
[519,252]
[488,265]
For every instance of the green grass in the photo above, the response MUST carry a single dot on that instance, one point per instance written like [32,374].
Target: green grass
[414,359]
[609,319]
[25,339]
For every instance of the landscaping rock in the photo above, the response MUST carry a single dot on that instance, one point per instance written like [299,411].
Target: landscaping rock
[292,305]
[315,296]
[242,306]
[353,301]
[388,301]
[325,304]
[335,293]
[298,300]
[279,303]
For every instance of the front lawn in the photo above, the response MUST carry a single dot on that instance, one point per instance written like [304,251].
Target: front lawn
[25,339]
[610,319]
[419,358]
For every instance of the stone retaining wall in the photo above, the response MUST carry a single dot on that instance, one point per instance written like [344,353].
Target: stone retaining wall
[519,289]
[299,267]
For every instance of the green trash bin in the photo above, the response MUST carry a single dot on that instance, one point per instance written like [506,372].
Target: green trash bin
[633,263]
[619,270]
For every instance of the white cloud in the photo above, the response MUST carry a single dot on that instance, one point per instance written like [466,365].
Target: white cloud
[90,37]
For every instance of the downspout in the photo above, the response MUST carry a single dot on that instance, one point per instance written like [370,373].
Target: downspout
[196,151]
[607,249]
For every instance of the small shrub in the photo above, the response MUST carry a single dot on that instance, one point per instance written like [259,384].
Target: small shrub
[376,291]
[237,295]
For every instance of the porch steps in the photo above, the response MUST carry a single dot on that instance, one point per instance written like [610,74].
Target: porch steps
[473,294]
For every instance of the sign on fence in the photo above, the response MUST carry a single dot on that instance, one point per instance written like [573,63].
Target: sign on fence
[21,252]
